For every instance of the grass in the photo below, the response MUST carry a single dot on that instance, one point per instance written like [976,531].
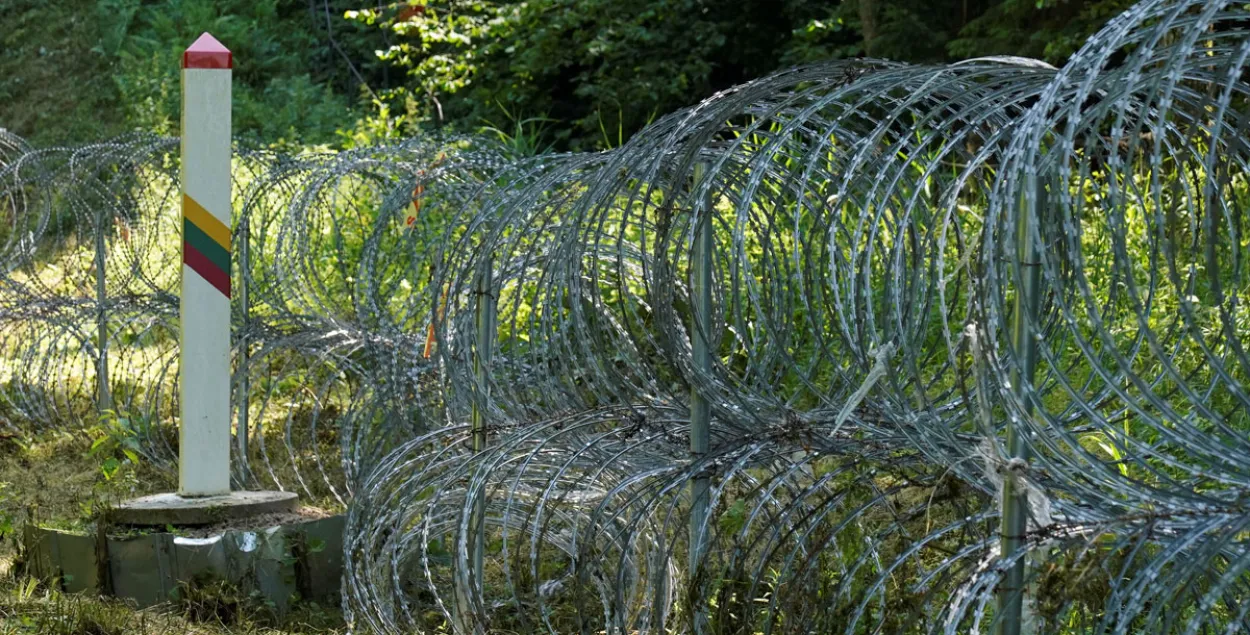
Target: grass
[26,606]
[50,478]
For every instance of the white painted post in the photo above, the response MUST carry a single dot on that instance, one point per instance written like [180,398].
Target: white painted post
[204,438]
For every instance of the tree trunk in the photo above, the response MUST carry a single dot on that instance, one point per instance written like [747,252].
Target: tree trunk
[868,25]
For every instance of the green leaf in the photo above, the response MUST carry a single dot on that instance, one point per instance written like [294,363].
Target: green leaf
[110,467]
[734,518]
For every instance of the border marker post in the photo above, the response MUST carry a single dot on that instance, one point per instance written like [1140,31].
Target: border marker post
[204,433]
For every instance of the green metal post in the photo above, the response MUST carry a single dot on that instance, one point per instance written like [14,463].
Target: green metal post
[245,386]
[104,399]
[485,342]
[700,411]
[1015,502]
[659,573]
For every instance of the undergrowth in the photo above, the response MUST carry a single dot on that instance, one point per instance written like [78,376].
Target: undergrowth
[27,606]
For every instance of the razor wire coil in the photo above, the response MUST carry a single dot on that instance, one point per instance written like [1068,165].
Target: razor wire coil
[875,227]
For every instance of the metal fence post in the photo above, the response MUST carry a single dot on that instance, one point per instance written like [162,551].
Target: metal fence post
[659,573]
[104,395]
[1015,500]
[483,347]
[700,411]
[242,429]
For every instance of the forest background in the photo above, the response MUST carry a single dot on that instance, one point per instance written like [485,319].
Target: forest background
[539,74]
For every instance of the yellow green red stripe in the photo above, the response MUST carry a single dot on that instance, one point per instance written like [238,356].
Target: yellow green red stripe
[206,245]
[206,222]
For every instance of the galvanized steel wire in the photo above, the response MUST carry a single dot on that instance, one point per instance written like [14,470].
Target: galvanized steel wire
[876,228]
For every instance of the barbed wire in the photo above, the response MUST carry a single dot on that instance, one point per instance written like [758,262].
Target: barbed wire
[332,270]
[929,285]
[824,193]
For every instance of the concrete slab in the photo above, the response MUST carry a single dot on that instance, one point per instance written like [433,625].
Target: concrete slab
[159,510]
[142,570]
[43,553]
[79,569]
[294,559]
[319,566]
[274,568]
[200,558]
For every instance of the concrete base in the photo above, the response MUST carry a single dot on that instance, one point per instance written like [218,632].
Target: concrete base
[159,510]
[298,560]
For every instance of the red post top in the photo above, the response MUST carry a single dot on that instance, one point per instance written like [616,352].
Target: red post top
[207,52]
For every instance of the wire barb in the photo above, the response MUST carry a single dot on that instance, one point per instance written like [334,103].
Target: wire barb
[866,220]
